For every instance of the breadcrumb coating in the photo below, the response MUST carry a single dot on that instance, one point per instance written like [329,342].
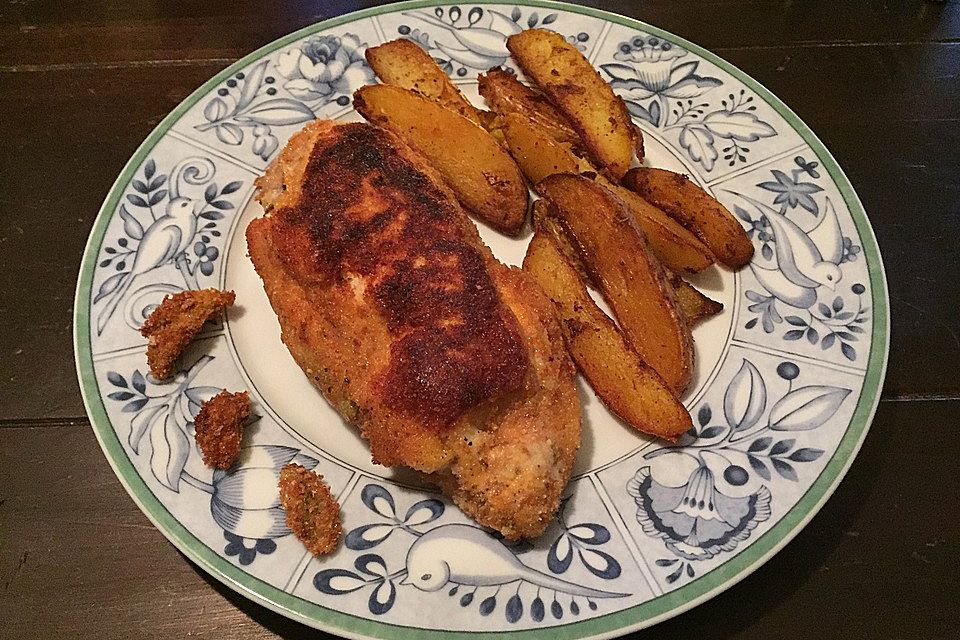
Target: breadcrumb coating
[219,427]
[312,512]
[175,322]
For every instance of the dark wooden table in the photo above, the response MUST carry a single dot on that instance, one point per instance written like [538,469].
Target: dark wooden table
[82,83]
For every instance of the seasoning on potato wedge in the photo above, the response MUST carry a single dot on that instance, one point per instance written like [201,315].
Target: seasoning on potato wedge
[630,278]
[696,210]
[693,304]
[629,387]
[478,170]
[403,63]
[537,153]
[505,94]
[576,88]
[539,156]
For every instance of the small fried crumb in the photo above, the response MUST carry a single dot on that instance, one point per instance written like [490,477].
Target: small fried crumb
[312,512]
[173,324]
[219,427]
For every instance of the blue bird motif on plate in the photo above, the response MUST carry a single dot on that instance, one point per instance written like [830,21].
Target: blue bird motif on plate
[465,555]
[806,260]
[167,237]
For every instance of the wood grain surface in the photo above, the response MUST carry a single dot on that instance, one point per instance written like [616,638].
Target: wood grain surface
[82,84]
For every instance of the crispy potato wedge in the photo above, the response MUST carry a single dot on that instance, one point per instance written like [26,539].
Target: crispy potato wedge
[403,63]
[627,385]
[693,304]
[478,170]
[546,220]
[539,156]
[576,88]
[505,94]
[695,209]
[631,279]
[677,248]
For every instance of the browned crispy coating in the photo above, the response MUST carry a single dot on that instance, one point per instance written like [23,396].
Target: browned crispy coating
[446,360]
[174,323]
[312,512]
[219,427]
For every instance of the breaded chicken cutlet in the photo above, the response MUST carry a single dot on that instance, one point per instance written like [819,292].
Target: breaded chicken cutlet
[446,360]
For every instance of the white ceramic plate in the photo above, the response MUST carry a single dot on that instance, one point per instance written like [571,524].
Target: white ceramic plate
[787,380]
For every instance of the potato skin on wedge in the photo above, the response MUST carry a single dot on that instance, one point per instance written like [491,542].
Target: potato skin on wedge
[692,303]
[576,88]
[631,279]
[696,210]
[478,170]
[676,247]
[403,63]
[505,94]
[539,156]
[629,387]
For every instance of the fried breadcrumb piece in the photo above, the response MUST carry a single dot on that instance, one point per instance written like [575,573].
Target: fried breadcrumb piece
[219,427]
[312,512]
[172,325]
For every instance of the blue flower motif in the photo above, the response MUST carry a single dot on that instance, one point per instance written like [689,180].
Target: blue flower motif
[695,520]
[206,256]
[324,65]
[380,501]
[791,192]
[810,168]
[850,250]
[237,546]
[655,71]
[245,501]
[371,570]
[579,539]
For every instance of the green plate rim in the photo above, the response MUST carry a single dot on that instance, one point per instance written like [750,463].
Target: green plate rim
[639,616]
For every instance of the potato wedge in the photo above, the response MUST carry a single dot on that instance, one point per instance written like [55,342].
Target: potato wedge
[631,279]
[693,304]
[677,248]
[628,386]
[403,63]
[505,94]
[695,209]
[539,156]
[478,170]
[576,88]
[546,220]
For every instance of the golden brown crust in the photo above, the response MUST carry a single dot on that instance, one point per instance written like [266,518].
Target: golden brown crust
[404,63]
[693,304]
[219,427]
[480,172]
[337,333]
[505,94]
[312,512]
[629,387]
[635,285]
[598,114]
[174,323]
[696,210]
[453,342]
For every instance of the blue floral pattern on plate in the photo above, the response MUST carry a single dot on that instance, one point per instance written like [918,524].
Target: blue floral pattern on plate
[769,416]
